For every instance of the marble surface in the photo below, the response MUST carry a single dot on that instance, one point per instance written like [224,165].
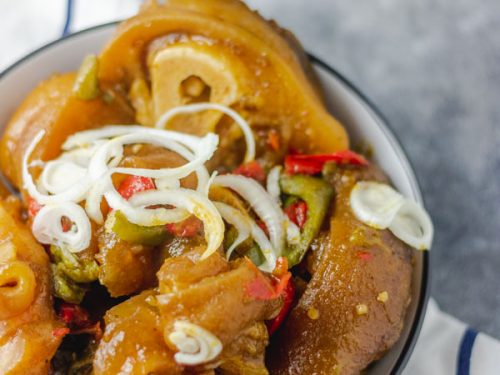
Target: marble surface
[431,66]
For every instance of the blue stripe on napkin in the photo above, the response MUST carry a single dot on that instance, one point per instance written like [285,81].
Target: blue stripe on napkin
[465,351]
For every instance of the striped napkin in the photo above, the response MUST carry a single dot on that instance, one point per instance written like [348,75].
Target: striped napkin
[445,345]
[448,346]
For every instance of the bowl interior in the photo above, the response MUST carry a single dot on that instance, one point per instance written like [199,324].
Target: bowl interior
[361,120]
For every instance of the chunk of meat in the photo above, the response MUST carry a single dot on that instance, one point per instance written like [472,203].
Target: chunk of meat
[133,341]
[245,355]
[205,302]
[202,292]
[124,268]
[27,318]
[52,107]
[353,308]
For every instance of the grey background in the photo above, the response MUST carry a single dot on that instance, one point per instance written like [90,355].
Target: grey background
[431,66]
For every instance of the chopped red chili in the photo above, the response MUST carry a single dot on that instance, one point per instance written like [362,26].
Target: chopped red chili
[186,228]
[297,213]
[273,140]
[313,164]
[135,184]
[66,224]
[74,315]
[288,294]
[33,207]
[263,288]
[252,170]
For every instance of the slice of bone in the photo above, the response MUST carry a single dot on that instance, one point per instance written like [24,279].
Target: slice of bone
[189,73]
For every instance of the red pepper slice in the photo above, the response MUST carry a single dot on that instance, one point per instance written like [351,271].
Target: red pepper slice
[313,164]
[252,170]
[297,213]
[135,184]
[74,315]
[263,288]
[186,228]
[288,298]
[33,207]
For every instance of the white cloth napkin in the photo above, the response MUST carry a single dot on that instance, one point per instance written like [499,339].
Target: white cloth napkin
[448,346]
[445,345]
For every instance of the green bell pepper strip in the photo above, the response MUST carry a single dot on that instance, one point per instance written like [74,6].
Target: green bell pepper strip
[65,288]
[78,270]
[136,234]
[86,86]
[317,194]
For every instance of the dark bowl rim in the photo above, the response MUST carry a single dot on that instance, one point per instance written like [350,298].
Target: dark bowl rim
[379,119]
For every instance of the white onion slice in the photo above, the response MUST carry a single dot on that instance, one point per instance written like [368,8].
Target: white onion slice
[261,202]
[47,226]
[413,226]
[198,107]
[203,153]
[247,227]
[273,183]
[196,345]
[292,232]
[82,156]
[265,247]
[59,175]
[189,200]
[209,183]
[167,183]
[74,193]
[237,219]
[375,204]
[380,206]
[88,137]
[140,214]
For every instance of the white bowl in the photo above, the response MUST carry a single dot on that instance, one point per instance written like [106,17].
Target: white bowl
[363,121]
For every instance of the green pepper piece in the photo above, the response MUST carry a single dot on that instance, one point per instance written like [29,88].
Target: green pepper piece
[317,194]
[117,223]
[86,85]
[255,255]
[65,288]
[74,268]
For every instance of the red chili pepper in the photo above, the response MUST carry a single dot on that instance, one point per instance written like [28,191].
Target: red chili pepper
[186,228]
[273,140]
[33,207]
[66,224]
[74,315]
[252,170]
[288,298]
[313,164]
[263,288]
[297,213]
[60,332]
[135,184]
